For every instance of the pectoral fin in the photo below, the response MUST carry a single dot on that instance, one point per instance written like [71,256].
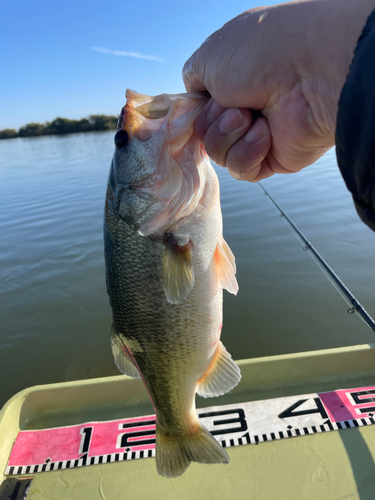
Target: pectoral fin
[222,375]
[123,360]
[226,267]
[178,270]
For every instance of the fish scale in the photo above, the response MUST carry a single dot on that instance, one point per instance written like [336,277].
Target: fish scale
[140,316]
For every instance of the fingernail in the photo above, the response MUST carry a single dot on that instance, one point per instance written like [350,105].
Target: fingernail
[256,132]
[232,119]
[214,112]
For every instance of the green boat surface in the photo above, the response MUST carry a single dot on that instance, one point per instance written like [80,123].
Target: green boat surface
[336,465]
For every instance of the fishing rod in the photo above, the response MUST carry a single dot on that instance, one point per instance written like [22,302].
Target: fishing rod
[356,307]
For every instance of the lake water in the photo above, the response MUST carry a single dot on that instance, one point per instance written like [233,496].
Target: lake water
[54,311]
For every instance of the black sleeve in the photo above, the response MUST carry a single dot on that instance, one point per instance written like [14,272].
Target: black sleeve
[355,128]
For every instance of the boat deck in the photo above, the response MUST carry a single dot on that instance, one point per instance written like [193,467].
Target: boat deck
[304,444]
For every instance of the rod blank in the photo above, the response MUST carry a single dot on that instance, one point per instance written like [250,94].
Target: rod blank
[335,280]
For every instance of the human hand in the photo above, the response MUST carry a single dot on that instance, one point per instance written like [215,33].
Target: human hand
[288,62]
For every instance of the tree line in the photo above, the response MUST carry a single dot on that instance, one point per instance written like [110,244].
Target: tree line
[62,126]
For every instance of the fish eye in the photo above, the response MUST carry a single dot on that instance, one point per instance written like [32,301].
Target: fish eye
[121,138]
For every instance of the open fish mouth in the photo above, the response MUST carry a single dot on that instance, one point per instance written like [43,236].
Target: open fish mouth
[143,115]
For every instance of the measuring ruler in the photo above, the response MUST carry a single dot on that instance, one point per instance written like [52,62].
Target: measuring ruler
[255,422]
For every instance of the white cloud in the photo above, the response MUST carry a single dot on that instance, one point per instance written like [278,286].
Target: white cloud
[127,54]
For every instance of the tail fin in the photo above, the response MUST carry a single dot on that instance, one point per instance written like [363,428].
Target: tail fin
[175,453]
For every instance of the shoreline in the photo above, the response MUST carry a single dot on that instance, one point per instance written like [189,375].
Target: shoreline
[62,126]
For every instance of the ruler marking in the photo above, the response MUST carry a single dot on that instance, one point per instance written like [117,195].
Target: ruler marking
[331,427]
[234,425]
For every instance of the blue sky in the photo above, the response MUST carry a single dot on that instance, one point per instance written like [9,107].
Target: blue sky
[77,57]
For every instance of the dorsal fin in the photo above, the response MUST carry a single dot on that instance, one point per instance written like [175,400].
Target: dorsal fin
[222,375]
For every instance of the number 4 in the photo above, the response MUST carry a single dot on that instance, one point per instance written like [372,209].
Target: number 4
[290,412]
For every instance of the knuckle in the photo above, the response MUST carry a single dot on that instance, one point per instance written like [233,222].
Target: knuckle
[216,149]
[239,171]
[215,154]
[244,159]
[239,162]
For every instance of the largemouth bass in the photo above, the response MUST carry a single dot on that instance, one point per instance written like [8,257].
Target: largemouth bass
[166,266]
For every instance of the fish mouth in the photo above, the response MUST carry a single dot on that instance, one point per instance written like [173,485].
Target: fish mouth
[143,115]
[134,99]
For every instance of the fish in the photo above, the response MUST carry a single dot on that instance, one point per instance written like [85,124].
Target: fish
[166,266]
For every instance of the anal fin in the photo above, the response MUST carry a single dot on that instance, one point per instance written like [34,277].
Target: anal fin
[222,375]
[123,360]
